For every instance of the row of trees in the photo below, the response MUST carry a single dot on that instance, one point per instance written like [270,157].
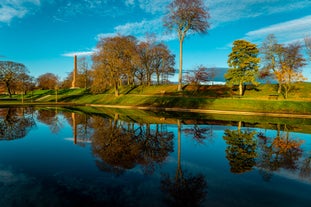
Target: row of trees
[123,60]
[281,62]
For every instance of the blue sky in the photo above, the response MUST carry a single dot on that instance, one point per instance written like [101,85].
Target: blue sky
[44,34]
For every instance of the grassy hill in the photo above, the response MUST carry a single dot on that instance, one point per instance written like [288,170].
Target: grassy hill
[215,97]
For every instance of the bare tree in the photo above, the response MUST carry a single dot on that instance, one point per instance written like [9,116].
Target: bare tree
[198,76]
[308,45]
[186,16]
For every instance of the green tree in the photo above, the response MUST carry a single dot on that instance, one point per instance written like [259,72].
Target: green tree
[9,74]
[243,64]
[241,150]
[186,16]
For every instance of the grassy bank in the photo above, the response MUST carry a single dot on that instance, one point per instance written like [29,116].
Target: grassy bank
[207,97]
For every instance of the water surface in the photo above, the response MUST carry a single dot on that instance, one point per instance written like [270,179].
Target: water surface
[56,157]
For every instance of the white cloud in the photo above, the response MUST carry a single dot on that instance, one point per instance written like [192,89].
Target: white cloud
[153,6]
[10,9]
[8,13]
[79,53]
[232,10]
[140,30]
[285,32]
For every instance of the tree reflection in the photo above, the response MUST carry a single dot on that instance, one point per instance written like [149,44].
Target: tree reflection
[51,118]
[241,149]
[122,145]
[15,123]
[183,190]
[305,171]
[281,151]
[198,133]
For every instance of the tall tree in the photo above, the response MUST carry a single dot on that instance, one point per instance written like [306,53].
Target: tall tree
[186,16]
[163,60]
[116,58]
[291,63]
[9,73]
[243,64]
[271,53]
[84,74]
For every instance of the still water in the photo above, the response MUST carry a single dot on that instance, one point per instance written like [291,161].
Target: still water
[56,157]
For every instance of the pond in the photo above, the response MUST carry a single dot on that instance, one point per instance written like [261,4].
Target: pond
[65,157]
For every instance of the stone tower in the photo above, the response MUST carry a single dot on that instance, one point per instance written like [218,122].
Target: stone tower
[75,72]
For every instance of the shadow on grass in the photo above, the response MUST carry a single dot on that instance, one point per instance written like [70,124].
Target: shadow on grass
[177,102]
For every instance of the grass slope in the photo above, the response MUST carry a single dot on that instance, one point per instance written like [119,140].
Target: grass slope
[206,97]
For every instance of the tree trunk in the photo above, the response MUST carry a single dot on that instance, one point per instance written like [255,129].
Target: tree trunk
[180,65]
[241,88]
[280,88]
[8,89]
[116,89]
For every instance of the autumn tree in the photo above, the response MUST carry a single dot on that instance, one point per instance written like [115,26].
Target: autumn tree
[186,16]
[9,74]
[155,60]
[291,65]
[243,64]
[271,52]
[115,61]
[47,81]
[145,70]
[162,61]
[84,77]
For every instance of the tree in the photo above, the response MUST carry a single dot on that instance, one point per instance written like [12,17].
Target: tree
[84,75]
[186,16]
[243,64]
[163,60]
[47,81]
[308,45]
[198,76]
[9,73]
[115,61]
[25,83]
[291,63]
[272,59]
[241,150]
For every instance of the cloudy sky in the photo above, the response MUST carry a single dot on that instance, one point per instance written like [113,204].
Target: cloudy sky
[44,34]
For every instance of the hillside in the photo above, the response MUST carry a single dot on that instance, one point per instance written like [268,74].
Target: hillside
[213,97]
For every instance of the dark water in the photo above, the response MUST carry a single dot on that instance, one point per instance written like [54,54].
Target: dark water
[51,157]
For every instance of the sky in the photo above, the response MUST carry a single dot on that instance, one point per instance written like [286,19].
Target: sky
[45,34]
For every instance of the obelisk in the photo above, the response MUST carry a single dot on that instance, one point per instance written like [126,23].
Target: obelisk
[75,71]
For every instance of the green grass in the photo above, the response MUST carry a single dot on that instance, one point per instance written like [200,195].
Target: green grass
[255,99]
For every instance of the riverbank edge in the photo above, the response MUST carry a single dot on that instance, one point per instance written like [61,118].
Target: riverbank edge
[167,109]
[205,111]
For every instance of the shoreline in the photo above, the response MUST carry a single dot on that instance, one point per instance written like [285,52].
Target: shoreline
[205,111]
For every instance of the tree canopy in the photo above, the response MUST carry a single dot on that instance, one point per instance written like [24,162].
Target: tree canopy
[243,64]
[10,73]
